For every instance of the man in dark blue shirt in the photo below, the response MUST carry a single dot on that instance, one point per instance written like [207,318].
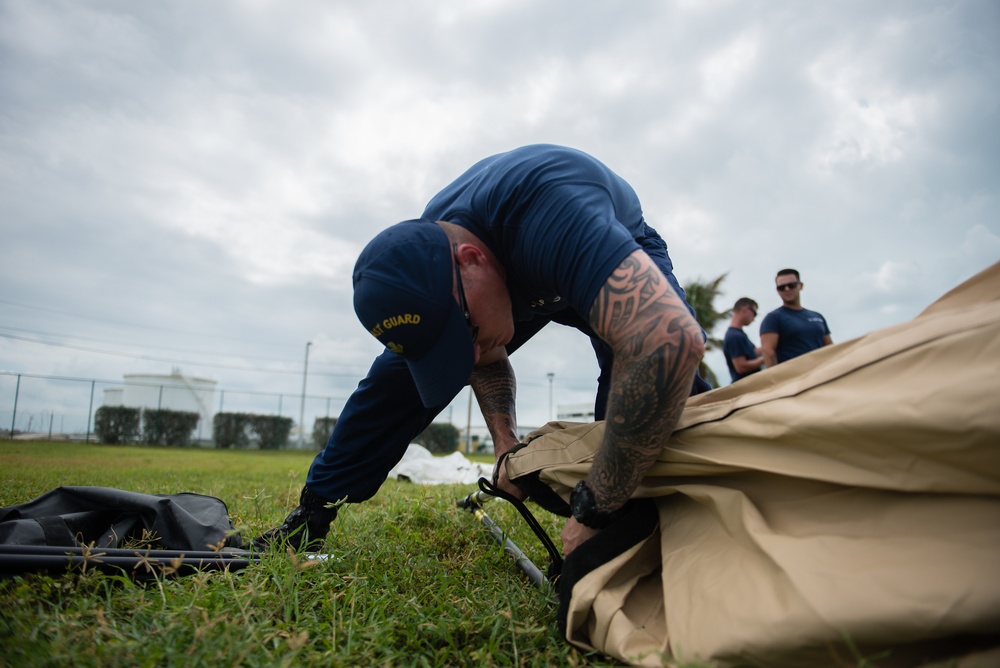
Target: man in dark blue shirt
[742,357]
[538,234]
[790,330]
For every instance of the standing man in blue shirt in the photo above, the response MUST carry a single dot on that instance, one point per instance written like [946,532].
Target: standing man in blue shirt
[790,330]
[539,234]
[742,357]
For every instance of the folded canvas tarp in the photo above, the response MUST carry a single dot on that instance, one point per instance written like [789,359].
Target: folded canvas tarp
[105,517]
[841,504]
[91,527]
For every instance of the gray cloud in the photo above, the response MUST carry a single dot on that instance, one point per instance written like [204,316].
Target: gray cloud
[193,182]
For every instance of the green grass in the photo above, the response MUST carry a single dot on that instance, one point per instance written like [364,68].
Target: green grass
[414,581]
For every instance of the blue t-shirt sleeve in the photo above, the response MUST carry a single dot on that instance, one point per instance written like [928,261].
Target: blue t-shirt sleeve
[570,243]
[737,344]
[770,324]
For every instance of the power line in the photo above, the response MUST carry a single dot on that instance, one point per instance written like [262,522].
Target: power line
[226,390]
[152,358]
[126,343]
[128,324]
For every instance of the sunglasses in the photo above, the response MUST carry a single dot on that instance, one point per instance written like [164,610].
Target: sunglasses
[788,286]
[473,329]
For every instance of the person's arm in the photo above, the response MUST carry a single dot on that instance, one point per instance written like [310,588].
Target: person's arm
[743,365]
[496,389]
[769,347]
[827,340]
[657,347]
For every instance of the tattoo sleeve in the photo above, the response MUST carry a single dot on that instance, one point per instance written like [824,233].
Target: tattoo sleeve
[657,347]
[495,390]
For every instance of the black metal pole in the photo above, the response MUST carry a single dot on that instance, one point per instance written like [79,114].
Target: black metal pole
[13,417]
[125,552]
[473,503]
[20,559]
[90,411]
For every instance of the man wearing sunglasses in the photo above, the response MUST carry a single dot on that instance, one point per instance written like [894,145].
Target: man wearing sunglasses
[791,330]
[536,235]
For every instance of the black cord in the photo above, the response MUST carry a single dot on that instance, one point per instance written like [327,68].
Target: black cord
[555,558]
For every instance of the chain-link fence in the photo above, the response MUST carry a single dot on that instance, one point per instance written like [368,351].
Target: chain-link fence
[40,407]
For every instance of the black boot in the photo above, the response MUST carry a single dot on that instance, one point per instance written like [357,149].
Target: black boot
[306,526]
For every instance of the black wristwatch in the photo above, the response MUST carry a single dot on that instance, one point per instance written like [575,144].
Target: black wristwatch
[584,508]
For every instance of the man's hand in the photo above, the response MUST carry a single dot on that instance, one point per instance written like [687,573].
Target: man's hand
[504,483]
[574,534]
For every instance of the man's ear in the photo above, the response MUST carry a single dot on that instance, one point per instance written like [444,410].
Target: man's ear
[470,255]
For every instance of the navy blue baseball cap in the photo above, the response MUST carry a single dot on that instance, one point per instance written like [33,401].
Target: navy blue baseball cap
[403,296]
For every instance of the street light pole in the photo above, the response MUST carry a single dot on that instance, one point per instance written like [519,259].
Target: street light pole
[551,375]
[302,406]
[468,425]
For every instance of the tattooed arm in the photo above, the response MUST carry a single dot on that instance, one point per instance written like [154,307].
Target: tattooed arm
[493,382]
[657,347]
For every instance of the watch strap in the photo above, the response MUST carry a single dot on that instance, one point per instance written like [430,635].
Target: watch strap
[583,505]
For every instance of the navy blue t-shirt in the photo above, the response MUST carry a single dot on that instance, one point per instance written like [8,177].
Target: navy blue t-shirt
[737,344]
[799,331]
[558,220]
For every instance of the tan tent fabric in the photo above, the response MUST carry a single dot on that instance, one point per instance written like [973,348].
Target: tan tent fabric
[853,492]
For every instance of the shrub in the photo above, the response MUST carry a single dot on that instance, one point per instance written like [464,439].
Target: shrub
[231,430]
[117,424]
[440,438]
[237,430]
[167,427]
[273,430]
[322,428]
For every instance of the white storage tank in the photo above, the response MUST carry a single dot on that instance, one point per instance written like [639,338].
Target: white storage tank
[175,392]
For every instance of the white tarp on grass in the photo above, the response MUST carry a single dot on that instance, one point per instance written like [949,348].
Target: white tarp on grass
[420,466]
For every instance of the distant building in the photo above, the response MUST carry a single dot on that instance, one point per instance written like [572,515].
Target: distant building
[479,440]
[175,392]
[575,412]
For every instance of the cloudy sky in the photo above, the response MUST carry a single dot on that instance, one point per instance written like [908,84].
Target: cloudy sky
[187,184]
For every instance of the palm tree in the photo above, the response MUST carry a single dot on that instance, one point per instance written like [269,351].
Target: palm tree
[701,296]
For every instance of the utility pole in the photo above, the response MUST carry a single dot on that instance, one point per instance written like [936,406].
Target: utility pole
[468,425]
[452,438]
[302,406]
[551,376]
